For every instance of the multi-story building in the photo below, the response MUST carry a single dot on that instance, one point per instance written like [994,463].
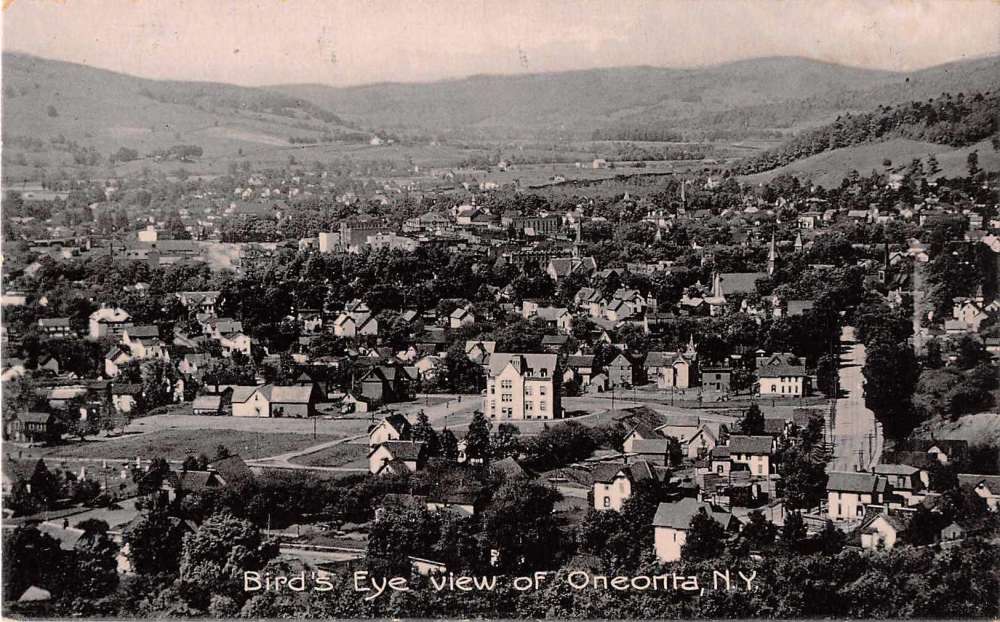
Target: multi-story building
[523,386]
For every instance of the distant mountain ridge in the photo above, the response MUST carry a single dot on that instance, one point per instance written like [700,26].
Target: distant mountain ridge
[760,94]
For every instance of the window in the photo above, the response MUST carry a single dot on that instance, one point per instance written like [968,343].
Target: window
[720,469]
[545,372]
[607,502]
[508,412]
[541,390]
[529,406]
[506,397]
[527,390]
[542,406]
[774,388]
[506,384]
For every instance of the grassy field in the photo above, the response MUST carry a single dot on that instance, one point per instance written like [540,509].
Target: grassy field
[830,167]
[342,455]
[330,428]
[176,444]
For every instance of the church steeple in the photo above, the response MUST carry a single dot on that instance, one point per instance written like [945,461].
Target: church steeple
[772,256]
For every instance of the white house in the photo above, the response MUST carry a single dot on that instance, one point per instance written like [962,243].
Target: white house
[848,494]
[672,521]
[394,427]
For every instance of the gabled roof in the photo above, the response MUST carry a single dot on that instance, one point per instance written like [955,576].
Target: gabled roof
[402,450]
[143,331]
[842,481]
[755,445]
[297,394]
[656,446]
[242,393]
[207,402]
[527,363]
[678,515]
[580,360]
[397,421]
[55,322]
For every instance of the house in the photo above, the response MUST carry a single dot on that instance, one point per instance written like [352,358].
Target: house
[961,529]
[125,397]
[613,483]
[986,486]
[579,368]
[348,325]
[717,378]
[107,322]
[247,401]
[653,450]
[394,427]
[670,370]
[620,372]
[55,327]
[554,343]
[463,502]
[291,401]
[461,317]
[479,352]
[557,317]
[207,405]
[753,451]
[883,531]
[906,481]
[143,342]
[115,358]
[393,457]
[382,384]
[849,494]
[33,427]
[523,386]
[673,520]
[783,381]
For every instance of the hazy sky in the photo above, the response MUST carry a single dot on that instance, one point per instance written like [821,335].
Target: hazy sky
[359,41]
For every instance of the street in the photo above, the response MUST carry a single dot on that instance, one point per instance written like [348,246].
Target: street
[857,436]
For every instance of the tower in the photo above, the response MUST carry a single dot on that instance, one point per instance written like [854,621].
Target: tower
[772,256]
[579,239]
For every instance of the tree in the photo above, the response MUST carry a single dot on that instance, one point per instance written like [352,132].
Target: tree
[826,374]
[793,532]
[505,442]
[32,558]
[830,540]
[752,422]
[705,540]
[758,533]
[804,478]
[477,438]
[449,445]
[214,558]
[423,431]
[891,372]
[924,527]
[154,542]
[520,525]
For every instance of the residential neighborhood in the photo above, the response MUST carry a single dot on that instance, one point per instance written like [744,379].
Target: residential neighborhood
[585,328]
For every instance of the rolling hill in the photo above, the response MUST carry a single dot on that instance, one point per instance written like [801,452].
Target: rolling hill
[760,94]
[54,111]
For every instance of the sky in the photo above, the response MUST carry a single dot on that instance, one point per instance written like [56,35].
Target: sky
[348,42]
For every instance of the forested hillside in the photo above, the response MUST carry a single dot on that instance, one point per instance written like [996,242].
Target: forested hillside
[956,121]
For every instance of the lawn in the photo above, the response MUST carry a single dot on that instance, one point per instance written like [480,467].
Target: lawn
[342,455]
[176,444]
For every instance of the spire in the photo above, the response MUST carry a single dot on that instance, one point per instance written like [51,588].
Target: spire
[772,256]
[798,241]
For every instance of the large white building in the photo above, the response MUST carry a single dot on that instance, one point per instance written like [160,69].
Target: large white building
[523,386]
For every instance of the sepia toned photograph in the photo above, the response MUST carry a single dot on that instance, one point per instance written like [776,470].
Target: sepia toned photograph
[500,310]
